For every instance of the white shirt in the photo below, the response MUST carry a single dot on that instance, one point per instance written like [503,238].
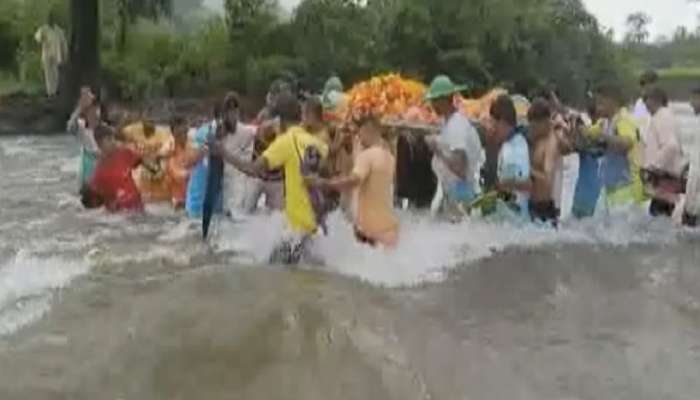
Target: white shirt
[459,134]
[662,150]
[53,43]
[239,144]
[77,126]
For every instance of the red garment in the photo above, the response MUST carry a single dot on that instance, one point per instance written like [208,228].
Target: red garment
[114,183]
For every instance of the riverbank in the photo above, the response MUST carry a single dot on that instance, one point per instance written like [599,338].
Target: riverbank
[23,113]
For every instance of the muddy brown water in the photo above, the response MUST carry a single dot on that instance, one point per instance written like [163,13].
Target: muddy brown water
[94,306]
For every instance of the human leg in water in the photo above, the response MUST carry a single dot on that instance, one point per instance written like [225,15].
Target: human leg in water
[364,239]
[290,251]
[661,208]
[544,212]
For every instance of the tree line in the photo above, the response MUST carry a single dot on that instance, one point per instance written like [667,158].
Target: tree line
[149,49]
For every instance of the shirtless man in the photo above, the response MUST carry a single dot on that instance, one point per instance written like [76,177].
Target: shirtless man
[545,153]
[372,176]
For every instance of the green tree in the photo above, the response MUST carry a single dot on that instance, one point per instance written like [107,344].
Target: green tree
[637,28]
[83,54]
[326,34]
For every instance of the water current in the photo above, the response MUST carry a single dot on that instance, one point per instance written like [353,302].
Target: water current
[98,306]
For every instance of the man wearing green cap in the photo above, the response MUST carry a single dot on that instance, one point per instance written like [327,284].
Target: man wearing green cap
[457,150]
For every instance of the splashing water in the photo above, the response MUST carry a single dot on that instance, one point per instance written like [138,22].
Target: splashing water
[27,285]
[428,249]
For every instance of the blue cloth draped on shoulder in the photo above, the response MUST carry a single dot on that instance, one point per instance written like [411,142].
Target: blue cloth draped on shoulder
[615,170]
[197,185]
[88,161]
[587,187]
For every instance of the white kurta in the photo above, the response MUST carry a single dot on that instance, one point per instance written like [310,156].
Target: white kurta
[54,53]
[235,182]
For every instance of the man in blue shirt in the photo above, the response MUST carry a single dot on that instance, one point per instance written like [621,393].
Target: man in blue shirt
[514,182]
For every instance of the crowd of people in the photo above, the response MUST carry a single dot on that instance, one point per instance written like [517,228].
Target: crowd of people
[292,159]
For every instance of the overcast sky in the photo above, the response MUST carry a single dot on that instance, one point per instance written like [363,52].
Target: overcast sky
[666,14]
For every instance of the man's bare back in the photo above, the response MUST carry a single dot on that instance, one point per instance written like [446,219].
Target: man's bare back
[545,154]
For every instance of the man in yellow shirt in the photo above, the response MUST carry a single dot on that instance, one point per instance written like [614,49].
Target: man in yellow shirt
[287,151]
[620,165]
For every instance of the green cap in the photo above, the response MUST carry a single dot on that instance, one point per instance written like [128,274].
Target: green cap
[333,84]
[442,86]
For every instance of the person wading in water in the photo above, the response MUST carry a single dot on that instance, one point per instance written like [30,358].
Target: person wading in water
[544,154]
[373,177]
[287,151]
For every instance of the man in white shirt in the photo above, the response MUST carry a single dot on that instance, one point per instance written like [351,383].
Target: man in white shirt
[663,158]
[457,150]
[689,205]
[662,150]
[54,53]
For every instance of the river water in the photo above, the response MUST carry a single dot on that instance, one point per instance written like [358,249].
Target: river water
[97,306]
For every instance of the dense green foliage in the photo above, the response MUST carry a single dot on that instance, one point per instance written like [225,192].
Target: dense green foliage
[160,47]
[19,20]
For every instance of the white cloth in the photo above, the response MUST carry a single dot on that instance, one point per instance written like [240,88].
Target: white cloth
[662,150]
[459,134]
[254,191]
[78,127]
[692,196]
[558,184]
[640,110]
[643,118]
[236,183]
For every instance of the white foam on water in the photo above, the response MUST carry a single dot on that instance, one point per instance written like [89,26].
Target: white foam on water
[102,216]
[70,165]
[68,201]
[186,228]
[153,253]
[27,285]
[17,147]
[255,236]
[161,209]
[65,242]
[23,313]
[428,250]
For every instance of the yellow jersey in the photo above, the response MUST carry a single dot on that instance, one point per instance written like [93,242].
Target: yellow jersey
[286,152]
